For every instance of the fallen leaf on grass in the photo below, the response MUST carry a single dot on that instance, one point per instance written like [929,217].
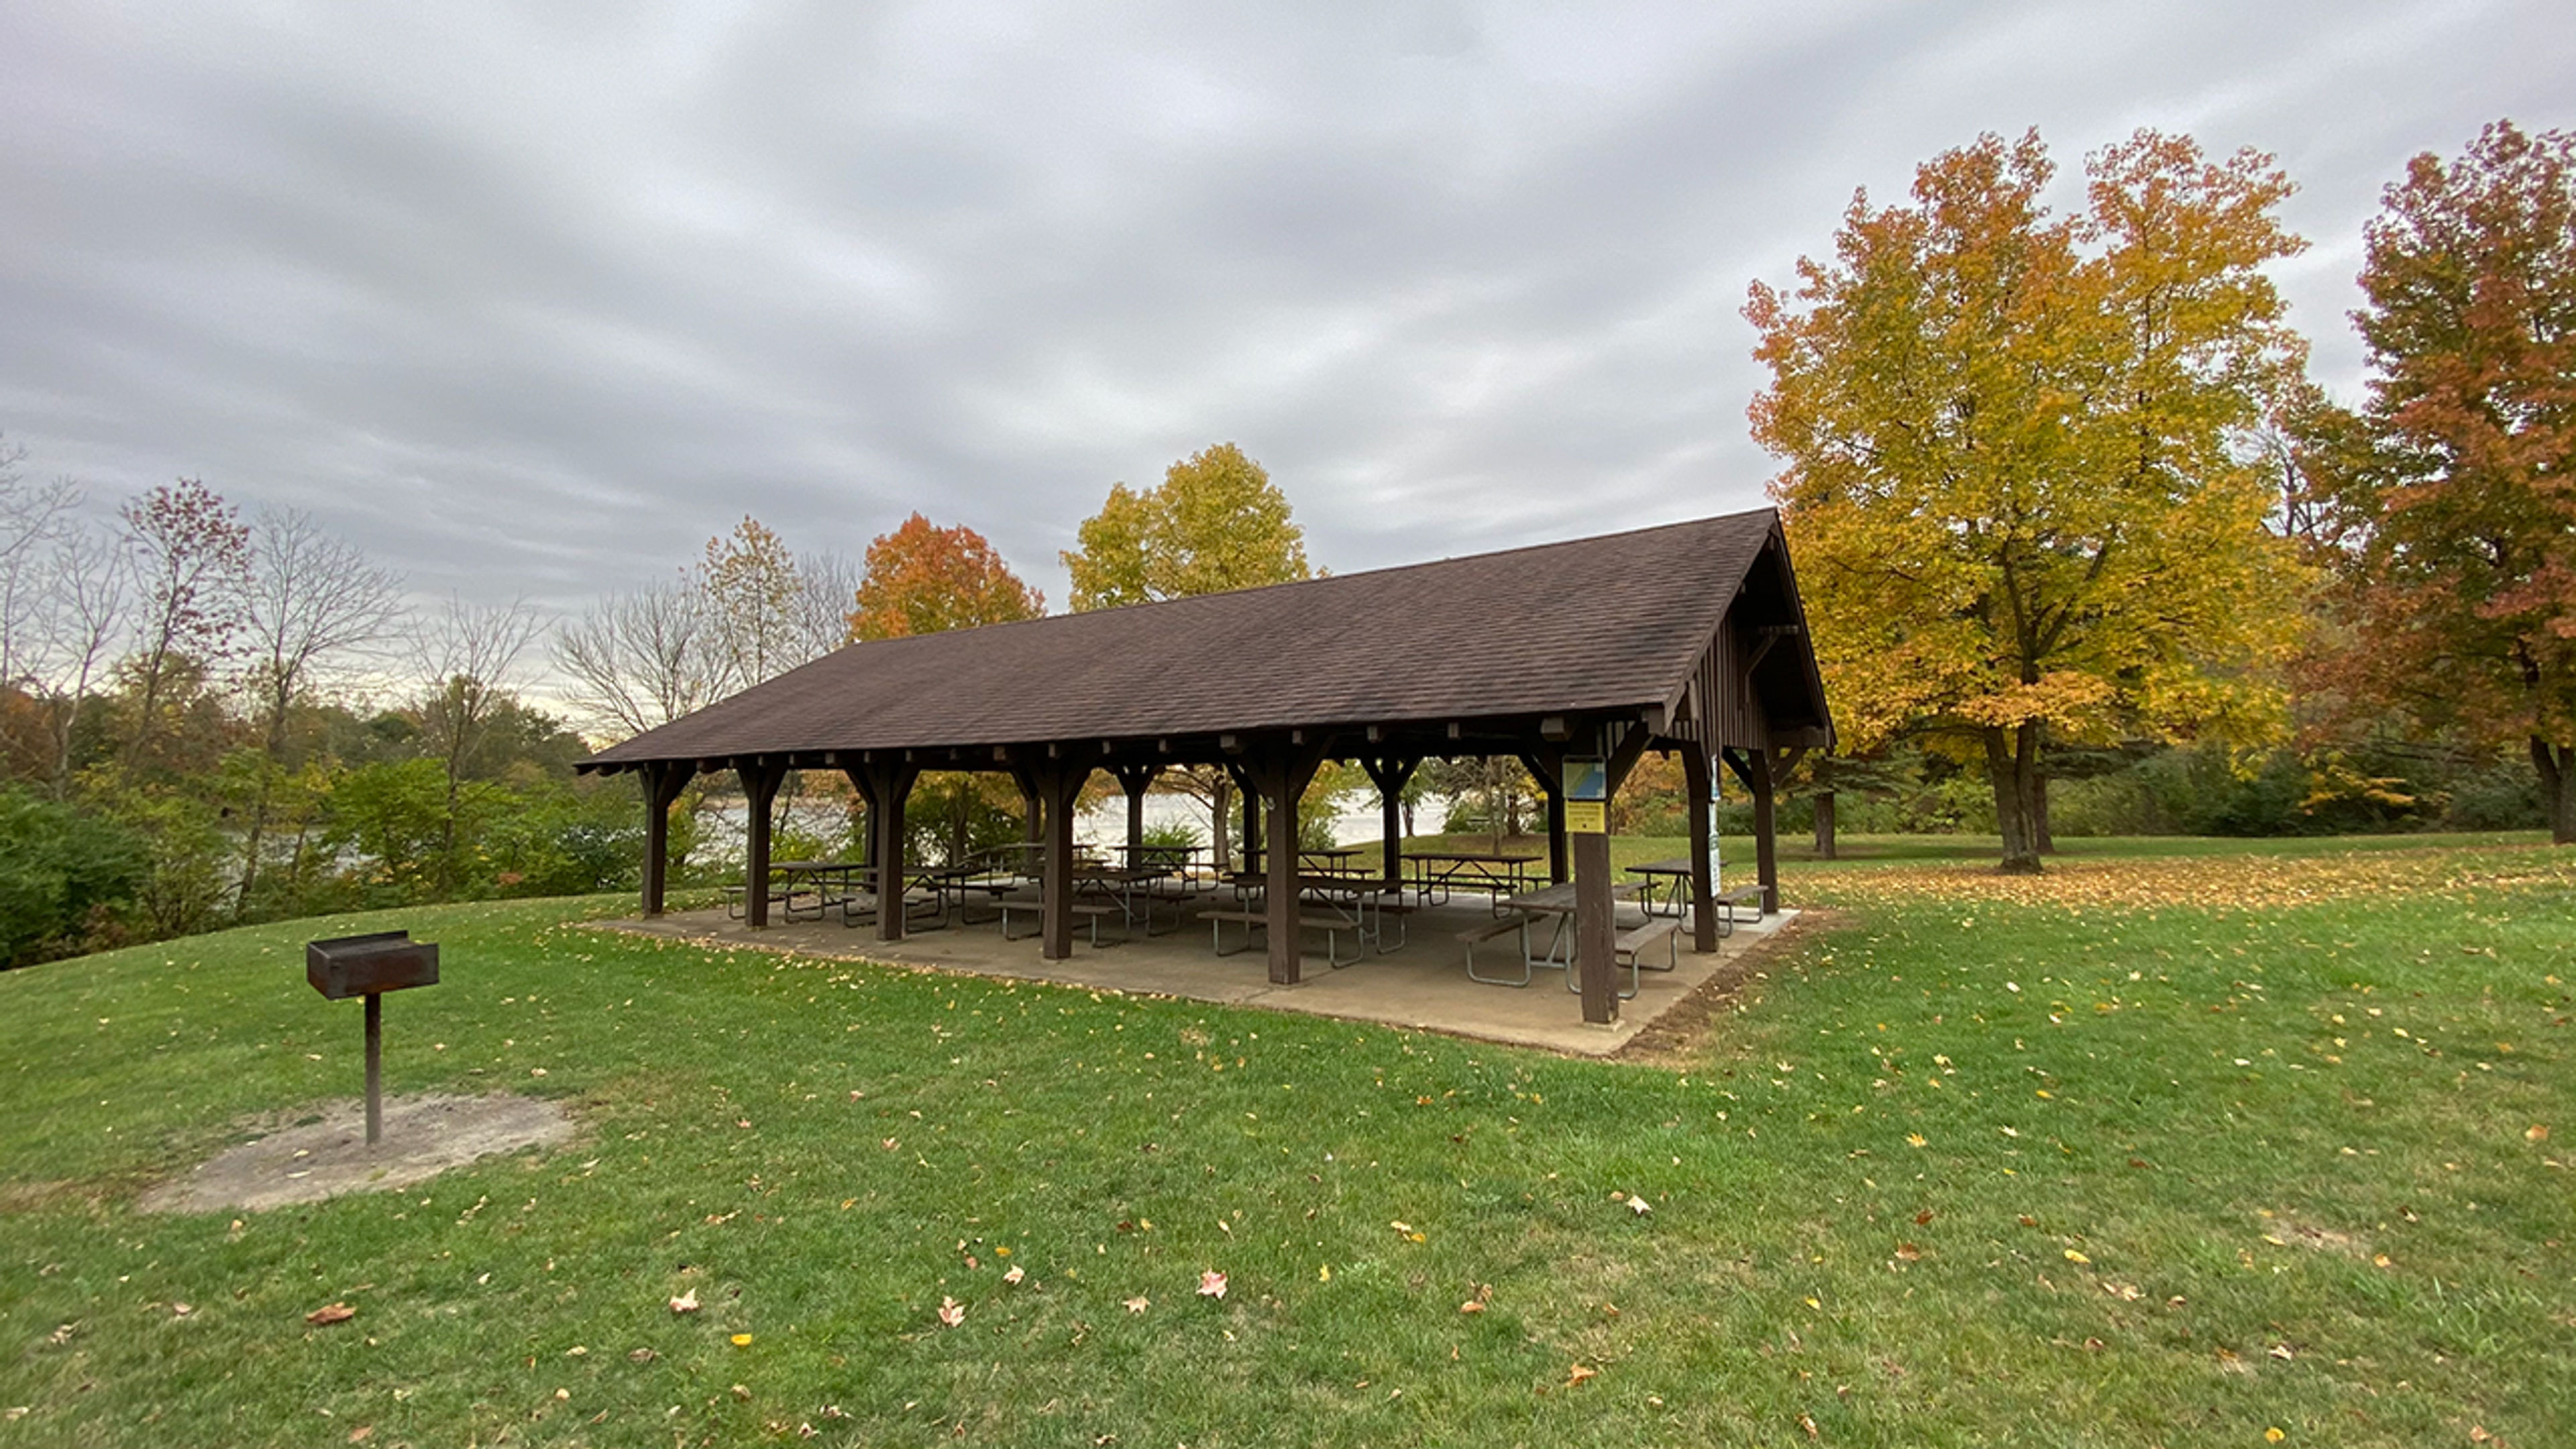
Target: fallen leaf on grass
[1908,1253]
[686,1302]
[362,1433]
[1639,1205]
[742,1340]
[1211,1284]
[1808,1424]
[2073,1256]
[1139,1303]
[329,1314]
[1014,1276]
[1484,1295]
[2273,1435]
[951,1312]
[1578,1373]
[2536,1133]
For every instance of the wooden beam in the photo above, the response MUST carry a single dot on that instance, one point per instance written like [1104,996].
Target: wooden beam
[663,781]
[1135,780]
[1056,785]
[1698,774]
[1391,773]
[1766,839]
[1282,773]
[1546,764]
[889,790]
[760,790]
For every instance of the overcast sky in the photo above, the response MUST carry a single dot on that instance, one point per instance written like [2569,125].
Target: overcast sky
[532,299]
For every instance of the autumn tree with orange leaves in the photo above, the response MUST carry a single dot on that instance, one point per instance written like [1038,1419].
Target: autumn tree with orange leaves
[922,579]
[2019,485]
[2454,500]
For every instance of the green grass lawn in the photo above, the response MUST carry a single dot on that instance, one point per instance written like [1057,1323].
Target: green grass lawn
[2183,1145]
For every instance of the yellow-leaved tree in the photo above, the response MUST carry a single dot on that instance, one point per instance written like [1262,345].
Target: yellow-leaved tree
[1217,522]
[2021,483]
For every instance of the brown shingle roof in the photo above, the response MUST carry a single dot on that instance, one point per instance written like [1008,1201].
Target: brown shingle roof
[1617,621]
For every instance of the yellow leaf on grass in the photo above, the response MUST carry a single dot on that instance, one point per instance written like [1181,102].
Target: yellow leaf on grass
[2073,1256]
[742,1340]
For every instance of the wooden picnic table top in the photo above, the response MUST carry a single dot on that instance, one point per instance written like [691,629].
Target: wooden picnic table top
[1558,899]
[1314,880]
[1678,865]
[1474,856]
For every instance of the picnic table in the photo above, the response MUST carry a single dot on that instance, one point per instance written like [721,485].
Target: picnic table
[1129,887]
[1673,879]
[1557,905]
[814,886]
[1444,871]
[1371,907]
[860,901]
[1330,859]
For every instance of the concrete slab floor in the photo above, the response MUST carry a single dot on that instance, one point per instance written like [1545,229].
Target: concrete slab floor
[1421,985]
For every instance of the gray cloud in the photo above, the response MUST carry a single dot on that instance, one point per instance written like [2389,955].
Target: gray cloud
[535,303]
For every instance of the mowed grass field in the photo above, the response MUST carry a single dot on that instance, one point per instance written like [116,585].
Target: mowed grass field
[2186,1143]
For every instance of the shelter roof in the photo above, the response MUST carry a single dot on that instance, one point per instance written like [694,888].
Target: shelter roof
[1617,622]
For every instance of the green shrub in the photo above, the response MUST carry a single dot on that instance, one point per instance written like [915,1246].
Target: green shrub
[64,876]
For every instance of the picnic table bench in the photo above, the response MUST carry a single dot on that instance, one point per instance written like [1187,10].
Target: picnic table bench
[1034,903]
[1331,925]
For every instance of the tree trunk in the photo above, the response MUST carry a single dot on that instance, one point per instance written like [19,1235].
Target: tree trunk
[1825,825]
[2557,766]
[2012,765]
[2040,834]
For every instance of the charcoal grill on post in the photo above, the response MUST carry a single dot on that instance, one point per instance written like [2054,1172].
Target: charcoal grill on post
[370,966]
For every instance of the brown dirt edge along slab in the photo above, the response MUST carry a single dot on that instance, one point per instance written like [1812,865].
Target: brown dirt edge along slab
[423,1136]
[1679,1036]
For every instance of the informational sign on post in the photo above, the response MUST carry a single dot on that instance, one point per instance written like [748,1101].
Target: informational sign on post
[1587,795]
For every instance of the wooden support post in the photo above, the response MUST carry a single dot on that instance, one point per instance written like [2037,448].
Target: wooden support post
[1766,835]
[1136,780]
[1755,769]
[1251,826]
[760,790]
[663,782]
[1595,934]
[375,1067]
[889,791]
[1596,929]
[1055,784]
[1697,777]
[1546,765]
[1279,889]
[862,782]
[1825,846]
[1391,774]
[1282,772]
